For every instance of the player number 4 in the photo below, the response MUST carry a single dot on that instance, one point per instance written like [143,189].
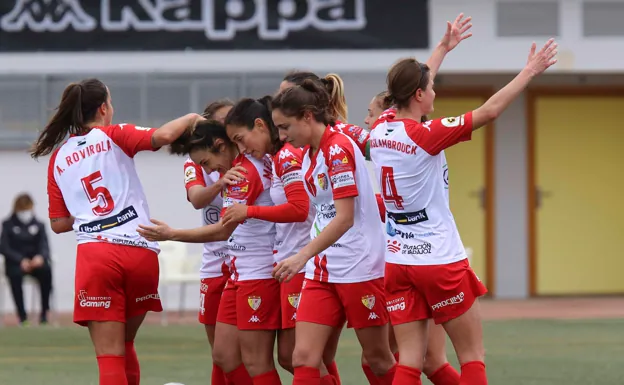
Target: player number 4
[100,194]
[388,188]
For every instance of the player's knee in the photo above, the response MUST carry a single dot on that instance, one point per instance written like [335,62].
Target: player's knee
[433,361]
[285,360]
[379,358]
[303,356]
[225,358]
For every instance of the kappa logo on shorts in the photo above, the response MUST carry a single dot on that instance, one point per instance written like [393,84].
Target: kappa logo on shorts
[293,300]
[373,316]
[254,303]
[369,301]
[86,301]
[254,319]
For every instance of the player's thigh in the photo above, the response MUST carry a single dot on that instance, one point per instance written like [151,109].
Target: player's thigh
[331,347]
[435,356]
[257,348]
[319,313]
[99,284]
[226,348]
[466,334]
[285,348]
[141,281]
[226,352]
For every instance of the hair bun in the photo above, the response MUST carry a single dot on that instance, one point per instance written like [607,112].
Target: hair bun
[389,100]
[266,101]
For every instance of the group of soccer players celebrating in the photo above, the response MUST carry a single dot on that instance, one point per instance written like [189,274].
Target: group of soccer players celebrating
[294,247]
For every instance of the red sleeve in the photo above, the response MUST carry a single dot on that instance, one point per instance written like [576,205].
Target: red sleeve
[193,175]
[245,191]
[340,160]
[132,139]
[359,135]
[436,135]
[56,203]
[381,206]
[287,163]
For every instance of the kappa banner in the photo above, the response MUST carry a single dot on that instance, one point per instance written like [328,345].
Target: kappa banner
[166,25]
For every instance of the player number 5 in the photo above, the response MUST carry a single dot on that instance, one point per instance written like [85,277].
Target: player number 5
[388,188]
[100,195]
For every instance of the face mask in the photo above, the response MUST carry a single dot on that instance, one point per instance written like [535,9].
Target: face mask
[25,216]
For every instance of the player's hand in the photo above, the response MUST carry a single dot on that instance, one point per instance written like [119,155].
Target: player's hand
[25,265]
[540,61]
[36,262]
[236,213]
[160,232]
[289,268]
[234,175]
[456,32]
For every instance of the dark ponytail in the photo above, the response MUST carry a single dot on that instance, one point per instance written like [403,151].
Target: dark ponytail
[386,101]
[78,107]
[247,110]
[311,96]
[334,86]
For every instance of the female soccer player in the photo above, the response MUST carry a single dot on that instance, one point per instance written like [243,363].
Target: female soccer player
[204,192]
[436,366]
[94,189]
[427,272]
[251,127]
[250,305]
[344,273]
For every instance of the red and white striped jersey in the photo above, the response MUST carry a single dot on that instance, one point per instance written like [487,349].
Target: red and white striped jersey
[290,237]
[413,174]
[93,178]
[215,259]
[251,244]
[337,170]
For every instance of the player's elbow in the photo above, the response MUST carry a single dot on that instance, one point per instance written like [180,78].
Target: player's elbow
[301,212]
[61,226]
[197,205]
[345,222]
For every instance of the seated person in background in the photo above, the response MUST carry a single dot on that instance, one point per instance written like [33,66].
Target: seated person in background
[24,245]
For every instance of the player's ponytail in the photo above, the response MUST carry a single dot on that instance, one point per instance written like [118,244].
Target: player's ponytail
[247,111]
[78,107]
[311,96]
[207,134]
[337,100]
[334,86]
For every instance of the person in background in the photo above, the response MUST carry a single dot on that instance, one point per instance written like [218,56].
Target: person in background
[24,244]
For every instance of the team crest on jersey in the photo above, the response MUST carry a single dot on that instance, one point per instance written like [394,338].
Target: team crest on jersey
[293,300]
[369,301]
[322,181]
[190,174]
[254,302]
